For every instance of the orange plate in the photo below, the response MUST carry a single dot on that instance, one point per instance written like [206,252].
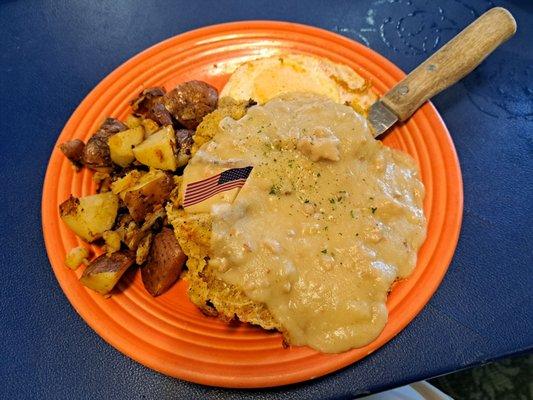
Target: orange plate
[168,333]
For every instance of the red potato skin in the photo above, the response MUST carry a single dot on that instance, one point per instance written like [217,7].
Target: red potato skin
[118,263]
[184,140]
[109,127]
[190,102]
[160,114]
[96,153]
[164,264]
[147,99]
[73,150]
[149,104]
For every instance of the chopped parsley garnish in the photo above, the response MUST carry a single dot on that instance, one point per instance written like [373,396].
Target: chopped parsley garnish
[373,209]
[275,189]
[352,213]
[325,251]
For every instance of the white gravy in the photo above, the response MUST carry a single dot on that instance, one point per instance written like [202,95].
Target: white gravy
[328,219]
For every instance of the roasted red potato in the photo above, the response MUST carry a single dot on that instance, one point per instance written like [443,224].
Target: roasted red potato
[96,153]
[147,99]
[184,142]
[90,216]
[73,150]
[158,150]
[160,114]
[149,104]
[103,273]
[165,263]
[153,189]
[190,102]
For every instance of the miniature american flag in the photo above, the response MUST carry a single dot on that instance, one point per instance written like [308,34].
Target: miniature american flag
[197,192]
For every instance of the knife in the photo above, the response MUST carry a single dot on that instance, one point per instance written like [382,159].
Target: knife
[453,61]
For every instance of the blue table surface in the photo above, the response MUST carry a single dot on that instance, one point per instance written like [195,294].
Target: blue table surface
[53,53]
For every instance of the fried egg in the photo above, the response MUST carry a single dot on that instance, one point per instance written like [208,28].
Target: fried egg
[266,78]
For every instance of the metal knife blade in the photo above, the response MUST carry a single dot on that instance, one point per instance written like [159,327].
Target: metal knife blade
[381,118]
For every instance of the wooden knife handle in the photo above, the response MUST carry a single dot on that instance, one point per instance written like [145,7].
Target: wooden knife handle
[452,62]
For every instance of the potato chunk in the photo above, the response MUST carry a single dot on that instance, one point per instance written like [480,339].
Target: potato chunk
[90,216]
[76,257]
[165,263]
[132,121]
[143,250]
[121,145]
[112,241]
[152,189]
[126,182]
[96,152]
[184,142]
[73,150]
[157,151]
[150,127]
[190,102]
[103,273]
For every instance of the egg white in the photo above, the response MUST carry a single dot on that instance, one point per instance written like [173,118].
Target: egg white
[266,78]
